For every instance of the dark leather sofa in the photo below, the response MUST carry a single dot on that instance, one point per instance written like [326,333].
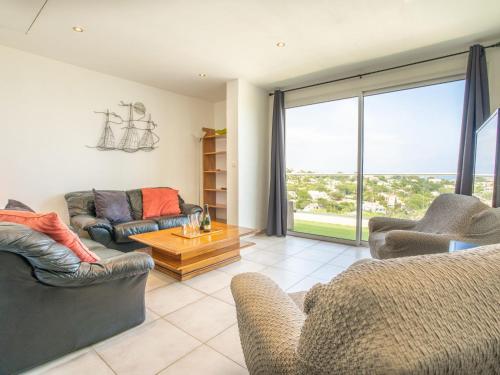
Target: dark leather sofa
[83,218]
[51,303]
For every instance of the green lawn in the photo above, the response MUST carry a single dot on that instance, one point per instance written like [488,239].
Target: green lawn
[326,229]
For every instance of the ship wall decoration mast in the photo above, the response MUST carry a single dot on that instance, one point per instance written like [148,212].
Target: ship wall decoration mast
[134,138]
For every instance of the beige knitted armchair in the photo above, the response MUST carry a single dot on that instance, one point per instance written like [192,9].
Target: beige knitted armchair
[432,314]
[450,217]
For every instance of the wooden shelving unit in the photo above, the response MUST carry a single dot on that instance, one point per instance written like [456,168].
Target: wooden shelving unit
[214,174]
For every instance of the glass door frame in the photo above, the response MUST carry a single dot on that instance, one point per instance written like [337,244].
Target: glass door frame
[360,151]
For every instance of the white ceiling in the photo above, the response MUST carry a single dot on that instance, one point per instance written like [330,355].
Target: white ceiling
[166,43]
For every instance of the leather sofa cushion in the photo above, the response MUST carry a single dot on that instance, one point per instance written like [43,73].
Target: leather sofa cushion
[112,205]
[135,200]
[166,222]
[102,251]
[38,249]
[124,230]
[12,204]
[51,225]
[80,203]
[159,202]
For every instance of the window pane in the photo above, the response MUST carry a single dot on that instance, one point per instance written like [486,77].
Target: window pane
[411,140]
[321,161]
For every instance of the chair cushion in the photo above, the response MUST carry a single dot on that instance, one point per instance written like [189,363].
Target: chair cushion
[124,230]
[40,250]
[159,202]
[51,225]
[376,241]
[166,222]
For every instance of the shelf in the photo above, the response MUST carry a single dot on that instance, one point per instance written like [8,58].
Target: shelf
[218,190]
[216,171]
[215,153]
[215,136]
[218,206]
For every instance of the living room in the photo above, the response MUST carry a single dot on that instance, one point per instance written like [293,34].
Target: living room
[249,187]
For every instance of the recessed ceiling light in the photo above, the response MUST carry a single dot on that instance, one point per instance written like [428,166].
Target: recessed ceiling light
[280,44]
[202,75]
[78,29]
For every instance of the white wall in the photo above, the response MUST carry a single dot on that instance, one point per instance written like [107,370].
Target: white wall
[247,120]
[493,60]
[47,120]
[452,67]
[232,151]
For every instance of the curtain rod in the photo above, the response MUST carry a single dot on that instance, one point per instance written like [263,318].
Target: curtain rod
[383,70]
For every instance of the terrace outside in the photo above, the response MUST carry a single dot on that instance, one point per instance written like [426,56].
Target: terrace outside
[325,204]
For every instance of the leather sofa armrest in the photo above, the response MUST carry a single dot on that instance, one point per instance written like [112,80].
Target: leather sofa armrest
[384,224]
[189,209]
[119,267]
[85,222]
[269,323]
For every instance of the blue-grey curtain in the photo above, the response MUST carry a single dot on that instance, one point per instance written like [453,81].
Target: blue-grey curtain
[476,111]
[277,209]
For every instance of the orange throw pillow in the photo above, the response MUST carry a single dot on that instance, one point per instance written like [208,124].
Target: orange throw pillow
[159,202]
[51,225]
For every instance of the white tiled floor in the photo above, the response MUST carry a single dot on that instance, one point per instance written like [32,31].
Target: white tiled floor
[191,327]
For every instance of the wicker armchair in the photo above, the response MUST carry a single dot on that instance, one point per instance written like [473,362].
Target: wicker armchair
[378,317]
[450,217]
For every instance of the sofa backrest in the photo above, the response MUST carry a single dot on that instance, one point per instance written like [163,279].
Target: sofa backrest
[450,213]
[40,250]
[82,203]
[436,313]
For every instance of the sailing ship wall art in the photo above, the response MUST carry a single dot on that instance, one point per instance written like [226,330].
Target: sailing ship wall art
[137,134]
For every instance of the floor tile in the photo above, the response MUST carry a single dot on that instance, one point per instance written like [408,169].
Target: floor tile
[249,250]
[169,298]
[264,257]
[44,369]
[300,240]
[157,279]
[327,272]
[319,254]
[205,318]
[146,350]
[348,257]
[285,279]
[285,249]
[86,363]
[228,343]
[224,295]
[243,265]
[206,361]
[299,265]
[150,316]
[209,282]
[304,285]
[336,248]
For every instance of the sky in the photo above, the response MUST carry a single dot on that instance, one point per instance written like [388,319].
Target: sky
[408,131]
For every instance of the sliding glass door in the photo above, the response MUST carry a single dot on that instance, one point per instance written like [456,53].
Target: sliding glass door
[321,150]
[409,152]
[411,140]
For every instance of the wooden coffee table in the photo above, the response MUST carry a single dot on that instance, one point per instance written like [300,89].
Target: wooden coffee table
[184,258]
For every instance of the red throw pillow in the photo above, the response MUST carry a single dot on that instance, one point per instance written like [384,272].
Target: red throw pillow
[51,225]
[159,202]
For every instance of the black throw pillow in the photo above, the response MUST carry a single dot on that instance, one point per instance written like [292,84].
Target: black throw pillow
[14,205]
[112,205]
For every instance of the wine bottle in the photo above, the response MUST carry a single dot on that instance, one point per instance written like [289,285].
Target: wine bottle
[206,222]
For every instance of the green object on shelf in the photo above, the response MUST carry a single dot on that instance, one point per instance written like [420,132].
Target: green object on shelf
[221,131]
